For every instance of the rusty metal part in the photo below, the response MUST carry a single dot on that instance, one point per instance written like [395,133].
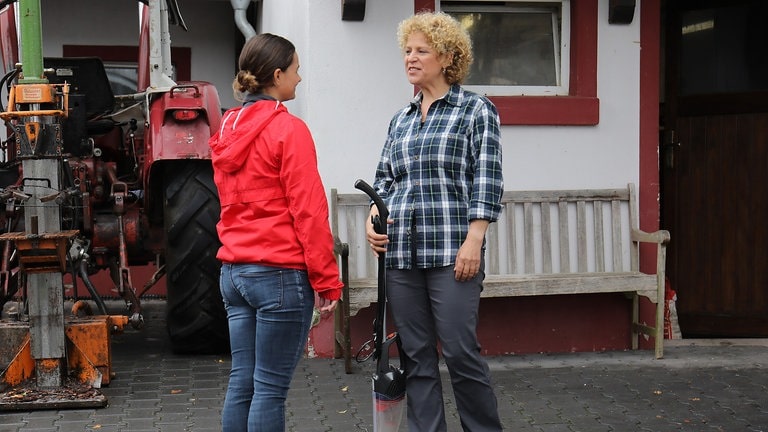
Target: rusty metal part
[124,285]
[106,235]
[16,359]
[89,353]
[153,280]
[118,192]
[73,394]
[48,370]
[41,253]
[81,305]
[88,364]
[8,278]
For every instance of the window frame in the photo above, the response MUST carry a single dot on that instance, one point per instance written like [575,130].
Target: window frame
[581,107]
[562,63]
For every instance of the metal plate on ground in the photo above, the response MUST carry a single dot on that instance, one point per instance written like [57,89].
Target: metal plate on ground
[27,397]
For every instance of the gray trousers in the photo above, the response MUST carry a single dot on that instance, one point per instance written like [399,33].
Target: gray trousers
[427,306]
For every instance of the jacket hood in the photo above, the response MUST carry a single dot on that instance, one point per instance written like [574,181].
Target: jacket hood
[239,128]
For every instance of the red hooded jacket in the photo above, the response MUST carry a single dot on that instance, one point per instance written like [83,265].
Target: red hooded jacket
[273,206]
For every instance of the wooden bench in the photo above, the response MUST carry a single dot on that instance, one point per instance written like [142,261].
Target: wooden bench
[546,242]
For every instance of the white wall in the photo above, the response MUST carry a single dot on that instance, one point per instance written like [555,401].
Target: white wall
[576,157]
[353,82]
[212,34]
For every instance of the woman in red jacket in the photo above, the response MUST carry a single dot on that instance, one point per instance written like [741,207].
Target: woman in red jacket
[277,247]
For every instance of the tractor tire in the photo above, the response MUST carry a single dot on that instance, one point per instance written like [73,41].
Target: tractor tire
[195,315]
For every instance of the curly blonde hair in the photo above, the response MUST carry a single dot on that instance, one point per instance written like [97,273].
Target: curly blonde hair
[446,36]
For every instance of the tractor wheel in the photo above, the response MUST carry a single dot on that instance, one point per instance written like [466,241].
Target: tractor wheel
[195,315]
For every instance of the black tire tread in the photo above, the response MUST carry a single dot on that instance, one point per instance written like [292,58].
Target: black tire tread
[195,315]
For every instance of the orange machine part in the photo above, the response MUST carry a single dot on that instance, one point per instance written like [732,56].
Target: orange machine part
[89,354]
[21,367]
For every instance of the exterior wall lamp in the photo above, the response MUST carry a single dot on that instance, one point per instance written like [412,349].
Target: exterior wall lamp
[352,10]
[621,11]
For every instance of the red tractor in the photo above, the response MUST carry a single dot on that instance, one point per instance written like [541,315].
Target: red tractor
[115,180]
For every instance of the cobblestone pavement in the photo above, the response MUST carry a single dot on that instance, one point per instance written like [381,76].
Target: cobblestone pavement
[700,385]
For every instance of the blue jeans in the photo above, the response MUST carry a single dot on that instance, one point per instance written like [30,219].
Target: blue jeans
[269,310]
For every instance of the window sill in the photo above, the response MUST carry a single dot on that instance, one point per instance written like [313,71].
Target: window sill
[548,110]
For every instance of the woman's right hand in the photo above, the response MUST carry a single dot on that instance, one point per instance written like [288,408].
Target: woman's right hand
[378,242]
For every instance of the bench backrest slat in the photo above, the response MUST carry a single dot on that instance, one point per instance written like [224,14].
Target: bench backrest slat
[529,237]
[540,232]
[599,238]
[618,261]
[546,241]
[492,242]
[565,256]
[581,234]
[633,217]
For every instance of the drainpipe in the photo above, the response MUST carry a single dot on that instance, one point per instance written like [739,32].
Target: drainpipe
[240,7]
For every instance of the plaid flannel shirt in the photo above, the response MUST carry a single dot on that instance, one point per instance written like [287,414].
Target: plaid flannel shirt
[437,176]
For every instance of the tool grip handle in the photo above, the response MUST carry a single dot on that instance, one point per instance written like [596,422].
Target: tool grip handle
[379,226]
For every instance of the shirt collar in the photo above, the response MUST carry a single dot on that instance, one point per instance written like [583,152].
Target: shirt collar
[453,97]
[251,98]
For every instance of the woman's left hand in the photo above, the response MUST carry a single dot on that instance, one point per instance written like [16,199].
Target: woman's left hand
[325,305]
[469,255]
[467,260]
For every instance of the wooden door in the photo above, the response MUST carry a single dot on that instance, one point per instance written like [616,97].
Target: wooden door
[714,165]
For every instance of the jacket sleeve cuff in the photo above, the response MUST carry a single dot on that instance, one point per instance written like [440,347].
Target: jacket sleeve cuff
[330,294]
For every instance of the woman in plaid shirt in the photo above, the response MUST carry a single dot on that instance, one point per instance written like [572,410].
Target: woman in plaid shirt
[440,176]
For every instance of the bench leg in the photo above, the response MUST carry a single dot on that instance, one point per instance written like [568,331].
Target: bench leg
[656,332]
[661,295]
[338,331]
[659,330]
[347,337]
[659,342]
[342,341]
[635,322]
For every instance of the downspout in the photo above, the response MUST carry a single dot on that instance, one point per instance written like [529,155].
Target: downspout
[245,27]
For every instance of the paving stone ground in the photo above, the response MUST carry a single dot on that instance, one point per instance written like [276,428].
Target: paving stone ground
[700,385]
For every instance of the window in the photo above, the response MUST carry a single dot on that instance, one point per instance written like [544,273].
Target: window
[517,46]
[120,63]
[123,77]
[579,105]
[718,49]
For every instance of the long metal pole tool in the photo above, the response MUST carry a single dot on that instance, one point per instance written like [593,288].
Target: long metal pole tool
[388,381]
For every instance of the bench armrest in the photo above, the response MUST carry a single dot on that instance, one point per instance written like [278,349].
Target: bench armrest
[339,248]
[660,236]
